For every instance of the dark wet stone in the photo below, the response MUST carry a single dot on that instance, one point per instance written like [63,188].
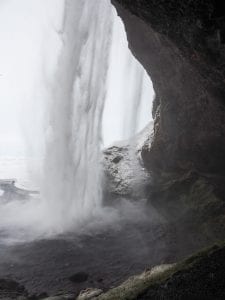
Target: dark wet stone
[11,289]
[117,159]
[79,277]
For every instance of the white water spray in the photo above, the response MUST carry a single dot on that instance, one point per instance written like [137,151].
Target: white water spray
[72,178]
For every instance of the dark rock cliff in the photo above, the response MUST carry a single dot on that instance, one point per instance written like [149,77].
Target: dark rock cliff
[181,44]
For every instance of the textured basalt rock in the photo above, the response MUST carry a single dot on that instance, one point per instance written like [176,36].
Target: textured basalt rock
[181,45]
[125,175]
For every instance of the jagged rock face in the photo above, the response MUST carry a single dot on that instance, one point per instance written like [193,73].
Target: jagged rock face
[125,175]
[181,45]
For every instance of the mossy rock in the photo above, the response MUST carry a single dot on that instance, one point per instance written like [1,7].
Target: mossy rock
[200,276]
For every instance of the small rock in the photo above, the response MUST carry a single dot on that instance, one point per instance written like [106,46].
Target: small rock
[10,287]
[79,277]
[89,294]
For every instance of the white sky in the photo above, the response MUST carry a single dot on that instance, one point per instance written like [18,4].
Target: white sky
[24,27]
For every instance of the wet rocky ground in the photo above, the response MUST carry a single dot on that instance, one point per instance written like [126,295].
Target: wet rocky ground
[101,258]
[71,263]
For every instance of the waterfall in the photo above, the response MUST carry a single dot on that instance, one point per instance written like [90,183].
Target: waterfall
[75,43]
[71,188]
[129,91]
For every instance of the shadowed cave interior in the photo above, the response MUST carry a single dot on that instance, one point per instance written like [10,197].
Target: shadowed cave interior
[163,189]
